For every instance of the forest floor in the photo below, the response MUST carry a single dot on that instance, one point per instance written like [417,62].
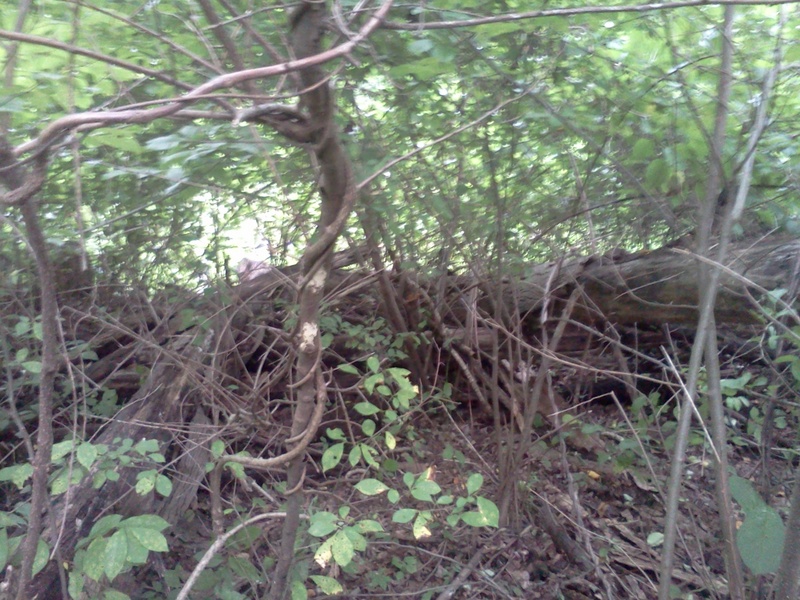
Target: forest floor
[581,525]
[611,505]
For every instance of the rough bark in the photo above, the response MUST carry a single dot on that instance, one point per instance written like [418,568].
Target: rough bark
[660,286]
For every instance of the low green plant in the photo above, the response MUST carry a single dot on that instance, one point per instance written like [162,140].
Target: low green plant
[114,544]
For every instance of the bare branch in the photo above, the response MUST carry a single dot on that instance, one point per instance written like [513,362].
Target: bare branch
[583,10]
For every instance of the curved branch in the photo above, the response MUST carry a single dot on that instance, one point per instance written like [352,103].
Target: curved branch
[63,124]
[70,49]
[583,10]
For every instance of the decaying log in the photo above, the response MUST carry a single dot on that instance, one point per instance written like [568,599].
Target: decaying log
[660,286]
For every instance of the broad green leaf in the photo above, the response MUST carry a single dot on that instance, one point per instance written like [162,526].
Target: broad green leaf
[643,149]
[373,380]
[61,449]
[163,485]
[18,474]
[342,549]
[404,515]
[332,456]
[373,364]
[424,490]
[657,174]
[760,540]
[242,567]
[327,585]
[145,522]
[368,427]
[104,525]
[366,409]
[298,590]
[368,526]
[371,487]
[420,528]
[217,448]
[86,455]
[146,446]
[745,494]
[420,46]
[146,482]
[33,366]
[355,455]
[95,559]
[42,556]
[358,541]
[137,554]
[322,523]
[116,554]
[149,538]
[348,368]
[474,483]
[3,548]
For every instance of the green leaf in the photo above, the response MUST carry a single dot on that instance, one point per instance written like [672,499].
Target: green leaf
[137,554]
[61,449]
[86,455]
[322,523]
[391,442]
[336,434]
[404,515]
[33,366]
[18,474]
[373,380]
[657,174]
[145,522]
[420,46]
[298,590]
[368,427]
[327,585]
[217,448]
[146,482]
[366,409]
[355,455]
[150,539]
[358,541]
[115,595]
[420,528]
[400,376]
[41,557]
[348,368]
[424,490]
[745,494]
[146,446]
[368,526]
[332,456]
[487,514]
[373,364]
[3,548]
[116,554]
[643,149]
[342,549]
[163,485]
[243,568]
[104,525]
[371,487]
[760,540]
[94,559]
[474,483]
[113,138]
